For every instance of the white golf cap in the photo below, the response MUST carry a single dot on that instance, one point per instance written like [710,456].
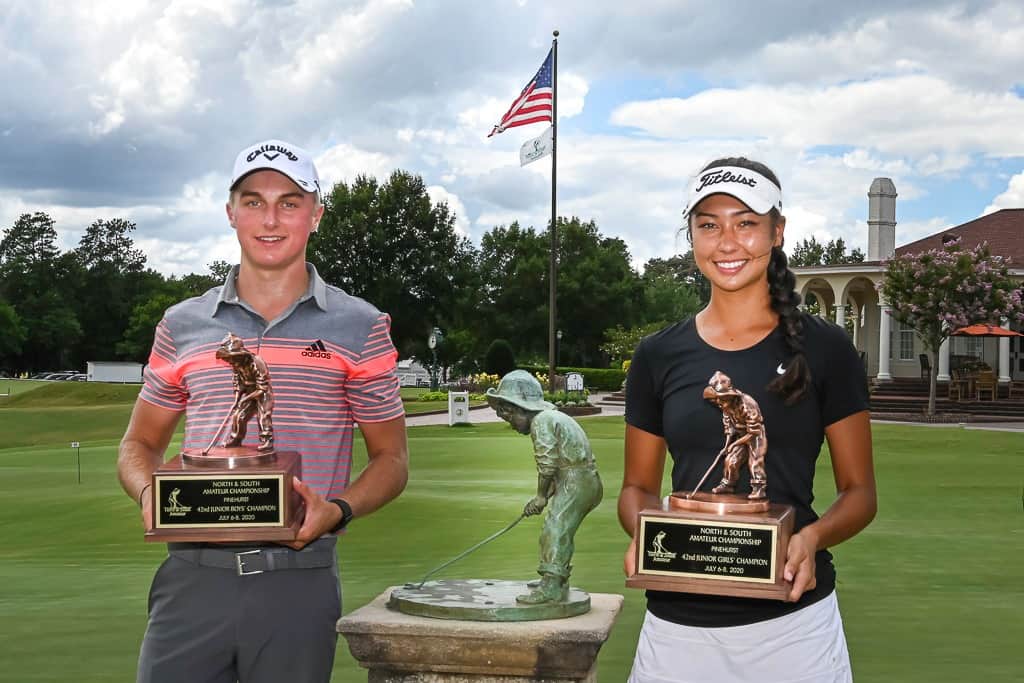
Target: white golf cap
[283,157]
[758,192]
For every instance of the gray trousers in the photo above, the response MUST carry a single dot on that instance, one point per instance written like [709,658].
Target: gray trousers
[208,624]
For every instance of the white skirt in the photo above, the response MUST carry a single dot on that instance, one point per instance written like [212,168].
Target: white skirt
[807,646]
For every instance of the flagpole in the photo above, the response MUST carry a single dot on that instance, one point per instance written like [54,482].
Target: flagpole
[553,264]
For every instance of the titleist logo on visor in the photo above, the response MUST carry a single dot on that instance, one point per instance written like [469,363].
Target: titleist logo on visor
[714,177]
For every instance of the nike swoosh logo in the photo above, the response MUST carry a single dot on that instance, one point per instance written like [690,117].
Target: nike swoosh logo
[780,370]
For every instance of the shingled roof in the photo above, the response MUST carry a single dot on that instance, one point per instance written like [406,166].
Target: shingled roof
[1003,230]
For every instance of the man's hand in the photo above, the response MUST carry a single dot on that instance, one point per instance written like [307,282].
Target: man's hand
[629,561]
[147,509]
[535,506]
[321,515]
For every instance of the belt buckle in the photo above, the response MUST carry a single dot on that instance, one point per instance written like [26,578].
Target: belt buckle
[240,561]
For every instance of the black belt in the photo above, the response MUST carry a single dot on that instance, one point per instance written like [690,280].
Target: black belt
[246,562]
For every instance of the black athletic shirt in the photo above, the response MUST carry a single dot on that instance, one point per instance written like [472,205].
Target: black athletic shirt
[667,377]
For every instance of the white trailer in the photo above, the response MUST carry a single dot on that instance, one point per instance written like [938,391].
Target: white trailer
[111,371]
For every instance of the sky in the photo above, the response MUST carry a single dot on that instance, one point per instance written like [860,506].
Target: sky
[121,108]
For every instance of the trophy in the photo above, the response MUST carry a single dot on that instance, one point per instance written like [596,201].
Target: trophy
[720,543]
[231,492]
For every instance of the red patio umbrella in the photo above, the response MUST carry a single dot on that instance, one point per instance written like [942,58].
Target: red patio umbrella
[985,330]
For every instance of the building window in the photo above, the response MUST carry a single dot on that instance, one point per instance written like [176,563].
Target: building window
[906,342]
[968,346]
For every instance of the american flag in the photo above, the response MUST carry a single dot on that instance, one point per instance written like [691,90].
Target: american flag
[534,104]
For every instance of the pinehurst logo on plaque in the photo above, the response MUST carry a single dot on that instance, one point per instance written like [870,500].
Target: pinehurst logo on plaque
[720,543]
[231,492]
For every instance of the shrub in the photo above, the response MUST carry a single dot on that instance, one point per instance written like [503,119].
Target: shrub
[568,398]
[499,360]
[595,379]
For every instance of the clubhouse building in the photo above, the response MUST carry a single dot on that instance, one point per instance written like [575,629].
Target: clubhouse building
[888,348]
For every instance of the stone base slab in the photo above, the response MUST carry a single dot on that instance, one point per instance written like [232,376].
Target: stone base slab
[402,648]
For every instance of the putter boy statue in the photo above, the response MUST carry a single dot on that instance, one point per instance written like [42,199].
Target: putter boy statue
[567,480]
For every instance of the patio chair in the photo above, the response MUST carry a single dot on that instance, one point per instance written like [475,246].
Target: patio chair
[926,365]
[958,385]
[985,383]
[1016,388]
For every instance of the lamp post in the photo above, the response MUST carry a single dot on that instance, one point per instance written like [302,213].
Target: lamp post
[558,349]
[432,341]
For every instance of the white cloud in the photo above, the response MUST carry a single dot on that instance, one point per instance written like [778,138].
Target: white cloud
[439,194]
[1012,198]
[119,102]
[572,92]
[913,116]
[902,41]
[317,50]
[343,162]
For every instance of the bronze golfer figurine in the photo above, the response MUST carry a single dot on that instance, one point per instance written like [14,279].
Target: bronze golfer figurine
[252,393]
[745,440]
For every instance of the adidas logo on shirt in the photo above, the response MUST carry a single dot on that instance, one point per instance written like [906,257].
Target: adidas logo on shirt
[317,350]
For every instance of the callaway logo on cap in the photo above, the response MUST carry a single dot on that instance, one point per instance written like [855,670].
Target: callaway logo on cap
[759,193]
[283,157]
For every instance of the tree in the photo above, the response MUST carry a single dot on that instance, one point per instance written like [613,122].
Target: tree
[683,269]
[597,288]
[138,337]
[513,291]
[940,290]
[668,299]
[219,270]
[12,334]
[499,359]
[392,246]
[114,281]
[39,283]
[810,252]
[620,343]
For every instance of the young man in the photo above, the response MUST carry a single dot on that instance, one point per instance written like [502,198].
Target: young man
[566,477]
[333,365]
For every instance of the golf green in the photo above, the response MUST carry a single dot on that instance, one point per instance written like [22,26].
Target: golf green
[931,591]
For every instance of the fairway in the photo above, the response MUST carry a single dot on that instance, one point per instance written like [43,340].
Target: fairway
[931,591]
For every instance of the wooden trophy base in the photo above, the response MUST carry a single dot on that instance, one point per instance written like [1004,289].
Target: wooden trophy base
[714,544]
[226,495]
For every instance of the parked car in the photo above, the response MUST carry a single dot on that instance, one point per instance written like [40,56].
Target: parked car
[79,377]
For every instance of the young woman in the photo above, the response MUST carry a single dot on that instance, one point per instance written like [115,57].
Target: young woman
[810,385]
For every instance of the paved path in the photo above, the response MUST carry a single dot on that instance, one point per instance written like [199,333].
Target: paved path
[481,415]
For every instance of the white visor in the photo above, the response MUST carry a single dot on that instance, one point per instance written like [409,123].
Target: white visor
[759,193]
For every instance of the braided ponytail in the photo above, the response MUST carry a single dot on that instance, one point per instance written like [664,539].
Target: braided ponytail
[792,384]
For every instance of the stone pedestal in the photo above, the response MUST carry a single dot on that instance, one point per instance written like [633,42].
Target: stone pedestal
[400,648]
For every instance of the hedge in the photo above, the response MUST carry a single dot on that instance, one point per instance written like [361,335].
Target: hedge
[600,379]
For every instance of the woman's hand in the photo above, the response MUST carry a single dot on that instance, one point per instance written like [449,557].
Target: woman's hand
[800,564]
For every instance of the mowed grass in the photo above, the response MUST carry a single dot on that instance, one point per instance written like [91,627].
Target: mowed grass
[932,591]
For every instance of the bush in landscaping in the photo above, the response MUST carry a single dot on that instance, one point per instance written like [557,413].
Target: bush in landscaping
[499,360]
[595,379]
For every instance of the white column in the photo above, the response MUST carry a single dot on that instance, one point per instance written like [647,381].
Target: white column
[884,327]
[856,324]
[943,361]
[1004,356]
[840,314]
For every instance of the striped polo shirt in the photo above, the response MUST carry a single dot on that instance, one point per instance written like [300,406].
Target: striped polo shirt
[331,363]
